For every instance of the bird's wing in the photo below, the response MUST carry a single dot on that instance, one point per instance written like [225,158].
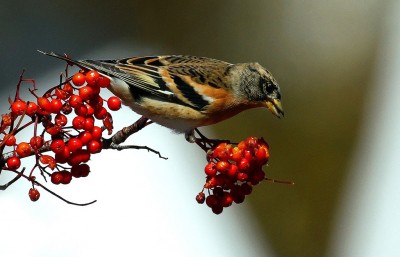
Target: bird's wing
[171,78]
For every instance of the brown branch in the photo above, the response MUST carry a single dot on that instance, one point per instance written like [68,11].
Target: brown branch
[9,183]
[121,136]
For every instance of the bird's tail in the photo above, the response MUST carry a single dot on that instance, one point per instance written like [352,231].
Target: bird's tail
[65,58]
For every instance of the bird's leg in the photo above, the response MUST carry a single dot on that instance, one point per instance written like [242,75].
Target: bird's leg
[202,141]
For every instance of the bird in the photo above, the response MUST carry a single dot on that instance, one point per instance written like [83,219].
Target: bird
[183,92]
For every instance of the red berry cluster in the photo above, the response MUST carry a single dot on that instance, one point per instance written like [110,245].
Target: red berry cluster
[68,114]
[232,171]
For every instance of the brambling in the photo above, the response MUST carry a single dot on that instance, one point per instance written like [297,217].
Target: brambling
[186,92]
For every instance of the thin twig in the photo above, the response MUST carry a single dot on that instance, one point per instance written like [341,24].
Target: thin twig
[9,183]
[51,192]
[115,141]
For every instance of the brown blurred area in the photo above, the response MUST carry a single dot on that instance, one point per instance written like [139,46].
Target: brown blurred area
[322,54]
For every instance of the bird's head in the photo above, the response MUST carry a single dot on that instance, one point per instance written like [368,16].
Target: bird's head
[257,85]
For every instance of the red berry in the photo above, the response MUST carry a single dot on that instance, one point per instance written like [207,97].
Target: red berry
[11,140]
[96,89]
[92,77]
[241,176]
[217,209]
[78,79]
[18,107]
[81,170]
[242,145]
[223,151]
[86,93]
[246,189]
[200,198]
[244,165]
[210,169]
[74,144]
[262,155]
[45,104]
[61,94]
[53,130]
[232,171]
[61,120]
[238,198]
[78,122]
[85,137]
[81,111]
[248,154]
[13,163]
[36,142]
[66,177]
[96,133]
[101,113]
[211,201]
[226,200]
[56,178]
[90,110]
[57,146]
[31,109]
[103,82]
[114,103]
[23,149]
[251,142]
[68,89]
[236,154]
[94,146]
[89,124]
[56,105]
[78,157]
[34,194]
[222,166]
[257,177]
[96,102]
[75,101]
[67,109]
[62,157]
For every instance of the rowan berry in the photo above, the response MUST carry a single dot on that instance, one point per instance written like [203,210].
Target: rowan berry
[23,149]
[78,79]
[56,105]
[13,163]
[78,122]
[94,146]
[57,146]
[86,93]
[114,103]
[56,178]
[34,194]
[31,108]
[45,104]
[74,144]
[75,101]
[92,77]
[61,120]
[36,142]
[103,82]
[11,140]
[18,107]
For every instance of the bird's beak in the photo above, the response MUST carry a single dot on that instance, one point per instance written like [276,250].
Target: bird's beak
[275,106]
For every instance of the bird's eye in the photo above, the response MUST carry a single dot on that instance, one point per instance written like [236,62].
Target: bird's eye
[269,88]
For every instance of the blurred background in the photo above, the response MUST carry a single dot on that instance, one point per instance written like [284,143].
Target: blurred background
[337,64]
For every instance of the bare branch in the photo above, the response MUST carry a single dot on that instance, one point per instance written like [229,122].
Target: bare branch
[9,183]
